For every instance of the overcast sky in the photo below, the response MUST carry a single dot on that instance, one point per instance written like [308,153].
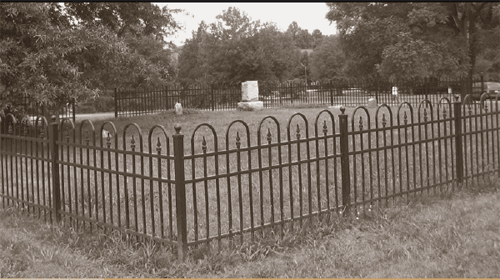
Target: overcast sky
[308,16]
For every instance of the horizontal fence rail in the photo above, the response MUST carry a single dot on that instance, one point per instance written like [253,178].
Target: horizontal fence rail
[345,92]
[244,185]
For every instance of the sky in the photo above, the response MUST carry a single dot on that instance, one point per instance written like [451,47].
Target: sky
[308,16]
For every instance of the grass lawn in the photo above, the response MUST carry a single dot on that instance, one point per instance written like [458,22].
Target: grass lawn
[455,235]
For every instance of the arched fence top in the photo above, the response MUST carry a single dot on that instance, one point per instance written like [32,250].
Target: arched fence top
[114,134]
[247,130]
[289,122]
[133,139]
[423,105]
[158,143]
[384,120]
[332,119]
[86,131]
[367,113]
[259,128]
[405,116]
[204,143]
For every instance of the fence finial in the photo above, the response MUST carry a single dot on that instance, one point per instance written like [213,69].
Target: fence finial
[342,109]
[177,128]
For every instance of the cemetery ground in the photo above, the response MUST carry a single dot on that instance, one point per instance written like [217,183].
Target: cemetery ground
[455,235]
[452,235]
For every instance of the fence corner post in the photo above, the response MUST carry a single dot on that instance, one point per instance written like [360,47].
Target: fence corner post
[344,162]
[180,192]
[54,149]
[457,112]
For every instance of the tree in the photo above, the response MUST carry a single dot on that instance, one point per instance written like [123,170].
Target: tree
[190,64]
[317,38]
[328,59]
[413,39]
[236,49]
[51,53]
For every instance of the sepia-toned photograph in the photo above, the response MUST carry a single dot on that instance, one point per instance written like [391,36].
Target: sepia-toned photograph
[249,140]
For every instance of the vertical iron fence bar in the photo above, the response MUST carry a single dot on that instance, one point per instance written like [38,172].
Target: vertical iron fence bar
[386,179]
[457,110]
[229,201]
[290,175]
[55,169]
[144,227]
[270,162]
[344,159]
[299,167]
[68,174]
[134,185]
[151,186]
[180,192]
[89,192]
[327,183]
[240,195]
[427,158]
[205,188]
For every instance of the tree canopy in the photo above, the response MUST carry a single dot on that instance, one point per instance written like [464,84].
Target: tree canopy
[413,39]
[53,52]
[235,48]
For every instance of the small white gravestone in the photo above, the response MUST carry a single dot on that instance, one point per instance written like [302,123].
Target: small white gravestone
[250,97]
[105,134]
[178,108]
[395,93]
[372,103]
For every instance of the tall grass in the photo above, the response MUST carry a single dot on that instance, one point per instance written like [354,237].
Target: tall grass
[453,235]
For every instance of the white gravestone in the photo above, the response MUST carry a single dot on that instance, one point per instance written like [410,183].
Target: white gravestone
[250,91]
[178,109]
[250,97]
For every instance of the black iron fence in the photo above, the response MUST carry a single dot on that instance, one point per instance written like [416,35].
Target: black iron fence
[344,92]
[245,184]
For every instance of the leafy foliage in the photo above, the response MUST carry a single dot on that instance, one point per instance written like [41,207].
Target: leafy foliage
[51,53]
[235,49]
[328,59]
[414,39]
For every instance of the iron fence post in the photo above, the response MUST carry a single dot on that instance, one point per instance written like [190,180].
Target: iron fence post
[54,149]
[73,110]
[457,110]
[180,192]
[344,162]
[116,105]
[482,83]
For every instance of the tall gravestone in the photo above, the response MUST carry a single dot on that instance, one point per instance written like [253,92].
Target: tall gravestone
[250,97]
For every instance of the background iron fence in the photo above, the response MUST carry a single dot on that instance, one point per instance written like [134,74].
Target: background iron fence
[345,92]
[245,184]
